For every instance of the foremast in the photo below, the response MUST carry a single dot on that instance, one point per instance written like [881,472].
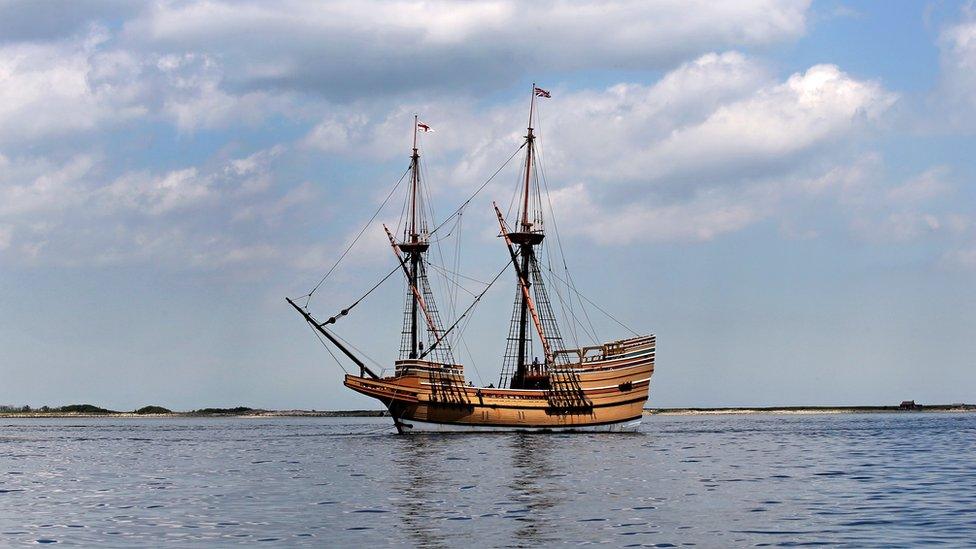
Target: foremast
[420,311]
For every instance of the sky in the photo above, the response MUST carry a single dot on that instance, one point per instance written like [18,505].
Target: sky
[781,191]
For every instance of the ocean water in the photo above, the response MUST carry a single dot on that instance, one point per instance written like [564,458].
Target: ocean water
[884,480]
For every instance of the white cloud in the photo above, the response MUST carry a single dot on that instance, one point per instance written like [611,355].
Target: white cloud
[876,211]
[192,95]
[88,84]
[6,235]
[716,144]
[62,87]
[65,213]
[159,194]
[271,212]
[719,111]
[39,21]
[338,132]
[882,211]
[773,125]
[209,64]
[899,226]
[849,184]
[705,216]
[929,184]
[628,131]
[344,49]
[964,258]
[953,103]
[708,149]
[33,186]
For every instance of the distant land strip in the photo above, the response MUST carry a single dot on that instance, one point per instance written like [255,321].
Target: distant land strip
[904,407]
[89,410]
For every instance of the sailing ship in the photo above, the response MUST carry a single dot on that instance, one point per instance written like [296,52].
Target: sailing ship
[600,387]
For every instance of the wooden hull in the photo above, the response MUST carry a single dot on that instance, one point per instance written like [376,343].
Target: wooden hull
[602,393]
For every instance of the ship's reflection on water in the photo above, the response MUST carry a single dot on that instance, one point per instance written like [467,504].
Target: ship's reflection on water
[530,487]
[418,488]
[440,479]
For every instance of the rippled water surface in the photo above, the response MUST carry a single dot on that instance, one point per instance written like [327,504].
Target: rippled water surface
[718,481]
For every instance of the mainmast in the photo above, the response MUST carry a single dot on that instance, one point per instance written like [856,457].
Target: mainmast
[529,146]
[414,179]
[527,234]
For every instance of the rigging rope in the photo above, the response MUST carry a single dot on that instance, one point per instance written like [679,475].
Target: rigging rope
[470,307]
[336,359]
[389,195]
[456,273]
[355,240]
[445,274]
[456,266]
[571,284]
[597,307]
[358,350]
[451,295]
[451,276]
[470,198]
[344,312]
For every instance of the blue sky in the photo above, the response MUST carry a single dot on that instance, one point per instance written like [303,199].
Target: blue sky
[781,191]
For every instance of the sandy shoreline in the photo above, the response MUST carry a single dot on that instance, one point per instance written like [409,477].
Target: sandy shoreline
[809,410]
[254,414]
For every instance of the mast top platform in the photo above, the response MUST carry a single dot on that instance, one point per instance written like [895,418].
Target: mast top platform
[532,238]
[413,247]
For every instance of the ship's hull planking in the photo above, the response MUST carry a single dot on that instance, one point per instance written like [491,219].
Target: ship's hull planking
[604,393]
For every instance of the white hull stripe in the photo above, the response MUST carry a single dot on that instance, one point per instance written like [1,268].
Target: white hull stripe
[409,426]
